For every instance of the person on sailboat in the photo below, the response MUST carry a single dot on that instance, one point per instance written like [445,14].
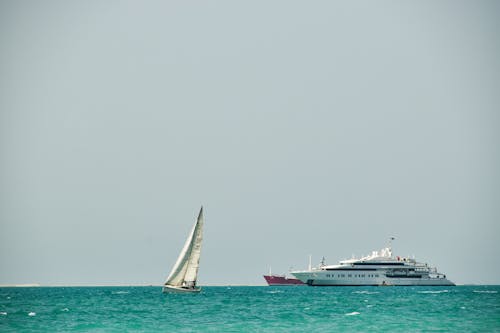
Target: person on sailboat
[188,285]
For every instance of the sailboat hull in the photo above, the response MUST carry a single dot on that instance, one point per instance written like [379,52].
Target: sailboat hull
[180,290]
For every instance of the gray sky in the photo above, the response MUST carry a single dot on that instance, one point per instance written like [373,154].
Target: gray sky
[303,128]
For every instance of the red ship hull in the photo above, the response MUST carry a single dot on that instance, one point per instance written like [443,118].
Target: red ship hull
[277,280]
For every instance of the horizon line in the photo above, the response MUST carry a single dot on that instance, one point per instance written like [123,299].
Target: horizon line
[36,285]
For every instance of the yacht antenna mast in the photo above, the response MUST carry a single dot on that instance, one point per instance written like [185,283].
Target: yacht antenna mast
[390,245]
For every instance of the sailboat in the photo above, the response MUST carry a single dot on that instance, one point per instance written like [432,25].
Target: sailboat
[182,278]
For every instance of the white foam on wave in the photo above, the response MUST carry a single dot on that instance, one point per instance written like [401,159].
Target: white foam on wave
[369,305]
[65,310]
[366,292]
[121,292]
[275,292]
[433,291]
[485,291]
[355,313]
[3,313]
[32,314]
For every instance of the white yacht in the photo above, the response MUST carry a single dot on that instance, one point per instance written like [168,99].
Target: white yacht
[380,268]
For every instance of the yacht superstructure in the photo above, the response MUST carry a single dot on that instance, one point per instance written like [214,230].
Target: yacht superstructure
[380,268]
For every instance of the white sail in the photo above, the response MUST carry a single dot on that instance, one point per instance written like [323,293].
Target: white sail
[185,270]
[194,258]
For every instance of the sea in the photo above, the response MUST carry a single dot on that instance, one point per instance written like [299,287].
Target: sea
[251,309]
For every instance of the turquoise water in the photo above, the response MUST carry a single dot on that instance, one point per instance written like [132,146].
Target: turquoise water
[252,309]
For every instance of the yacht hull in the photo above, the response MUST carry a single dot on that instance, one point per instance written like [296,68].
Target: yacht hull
[320,278]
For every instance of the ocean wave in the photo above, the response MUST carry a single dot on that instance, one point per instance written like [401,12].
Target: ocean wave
[433,291]
[32,314]
[65,310]
[485,291]
[121,292]
[3,313]
[355,313]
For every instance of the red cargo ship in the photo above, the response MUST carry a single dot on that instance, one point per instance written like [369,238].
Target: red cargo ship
[281,280]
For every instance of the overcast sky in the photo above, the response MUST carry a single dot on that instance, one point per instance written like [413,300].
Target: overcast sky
[303,127]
